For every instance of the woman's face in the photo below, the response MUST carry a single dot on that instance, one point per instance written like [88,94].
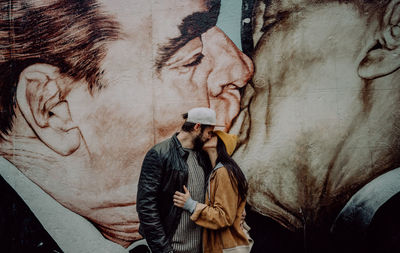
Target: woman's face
[211,144]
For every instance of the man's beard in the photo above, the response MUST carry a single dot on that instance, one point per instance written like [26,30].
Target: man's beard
[198,143]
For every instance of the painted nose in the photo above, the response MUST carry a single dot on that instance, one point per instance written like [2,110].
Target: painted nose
[229,65]
[230,70]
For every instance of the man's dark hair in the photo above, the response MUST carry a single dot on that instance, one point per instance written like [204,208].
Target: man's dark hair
[68,34]
[189,126]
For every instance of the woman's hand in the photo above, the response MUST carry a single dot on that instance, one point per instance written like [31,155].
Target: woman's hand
[181,198]
[242,218]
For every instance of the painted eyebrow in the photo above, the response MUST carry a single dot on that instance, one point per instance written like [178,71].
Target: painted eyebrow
[191,27]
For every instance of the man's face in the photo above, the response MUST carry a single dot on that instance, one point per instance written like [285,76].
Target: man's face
[139,107]
[316,131]
[204,136]
[207,134]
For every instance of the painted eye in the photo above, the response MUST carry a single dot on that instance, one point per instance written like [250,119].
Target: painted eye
[195,61]
[268,24]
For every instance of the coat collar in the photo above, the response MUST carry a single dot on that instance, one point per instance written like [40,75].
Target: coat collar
[182,152]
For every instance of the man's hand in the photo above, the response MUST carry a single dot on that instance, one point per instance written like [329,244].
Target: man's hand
[181,198]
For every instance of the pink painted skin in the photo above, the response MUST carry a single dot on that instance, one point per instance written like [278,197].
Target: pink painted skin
[135,109]
[317,129]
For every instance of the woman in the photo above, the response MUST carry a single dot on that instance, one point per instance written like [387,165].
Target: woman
[221,214]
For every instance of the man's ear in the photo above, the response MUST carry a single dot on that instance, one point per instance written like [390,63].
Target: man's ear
[384,57]
[197,127]
[41,92]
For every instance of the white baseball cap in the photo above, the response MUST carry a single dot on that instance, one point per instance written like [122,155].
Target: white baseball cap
[202,115]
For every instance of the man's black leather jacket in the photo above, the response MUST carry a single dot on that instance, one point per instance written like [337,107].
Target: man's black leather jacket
[164,171]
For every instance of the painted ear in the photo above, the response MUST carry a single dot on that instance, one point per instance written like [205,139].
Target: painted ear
[384,57]
[41,94]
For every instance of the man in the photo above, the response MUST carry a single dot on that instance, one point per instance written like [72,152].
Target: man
[321,118]
[167,168]
[85,87]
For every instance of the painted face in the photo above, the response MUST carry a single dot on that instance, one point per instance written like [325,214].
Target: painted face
[314,130]
[147,88]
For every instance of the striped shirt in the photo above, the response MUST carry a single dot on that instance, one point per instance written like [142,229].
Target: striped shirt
[187,238]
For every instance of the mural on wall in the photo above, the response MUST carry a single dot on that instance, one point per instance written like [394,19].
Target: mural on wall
[87,87]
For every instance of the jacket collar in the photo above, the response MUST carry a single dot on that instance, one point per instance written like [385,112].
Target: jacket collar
[182,152]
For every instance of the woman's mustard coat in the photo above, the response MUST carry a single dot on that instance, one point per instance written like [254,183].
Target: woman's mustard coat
[221,214]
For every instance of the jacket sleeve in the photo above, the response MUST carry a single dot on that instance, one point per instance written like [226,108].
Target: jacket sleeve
[147,207]
[222,212]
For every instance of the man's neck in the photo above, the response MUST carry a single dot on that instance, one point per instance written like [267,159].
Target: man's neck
[27,154]
[72,232]
[186,139]
[47,169]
